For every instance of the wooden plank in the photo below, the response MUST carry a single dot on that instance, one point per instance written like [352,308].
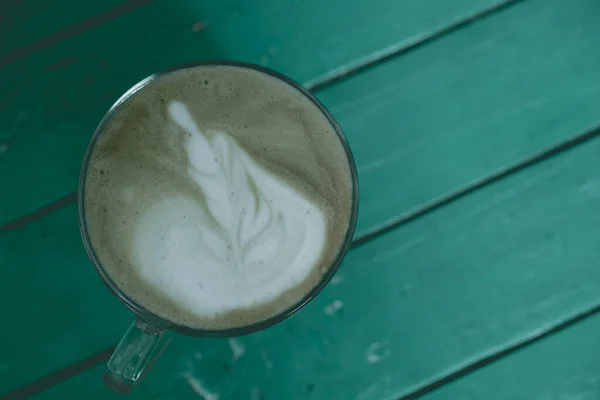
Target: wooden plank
[562,366]
[470,104]
[410,158]
[57,309]
[23,22]
[283,33]
[418,303]
[57,96]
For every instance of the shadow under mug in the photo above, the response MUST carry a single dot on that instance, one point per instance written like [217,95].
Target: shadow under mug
[140,344]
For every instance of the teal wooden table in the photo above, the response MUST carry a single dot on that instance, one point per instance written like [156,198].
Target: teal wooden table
[475,125]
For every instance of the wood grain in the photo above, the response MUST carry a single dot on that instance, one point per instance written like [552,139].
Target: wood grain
[61,310]
[56,97]
[416,304]
[427,298]
[28,25]
[451,113]
[562,366]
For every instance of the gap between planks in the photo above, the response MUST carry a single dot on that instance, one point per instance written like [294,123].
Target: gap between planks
[406,46]
[496,356]
[70,371]
[314,86]
[71,30]
[60,375]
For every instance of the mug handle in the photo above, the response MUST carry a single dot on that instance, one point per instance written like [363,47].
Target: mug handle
[132,357]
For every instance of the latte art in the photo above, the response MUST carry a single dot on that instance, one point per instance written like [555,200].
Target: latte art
[254,238]
[217,197]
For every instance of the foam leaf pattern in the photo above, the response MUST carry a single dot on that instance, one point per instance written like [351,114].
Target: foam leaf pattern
[255,237]
[254,231]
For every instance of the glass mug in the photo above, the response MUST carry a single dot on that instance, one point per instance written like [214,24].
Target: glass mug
[140,344]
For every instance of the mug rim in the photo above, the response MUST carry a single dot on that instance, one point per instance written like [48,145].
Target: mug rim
[156,320]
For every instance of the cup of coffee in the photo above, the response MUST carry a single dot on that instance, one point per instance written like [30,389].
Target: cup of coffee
[215,200]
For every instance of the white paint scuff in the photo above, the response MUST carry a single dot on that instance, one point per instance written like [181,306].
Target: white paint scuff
[337,279]
[333,307]
[376,352]
[237,349]
[200,390]
[268,363]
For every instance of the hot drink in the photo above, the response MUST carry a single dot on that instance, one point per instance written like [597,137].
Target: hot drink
[217,196]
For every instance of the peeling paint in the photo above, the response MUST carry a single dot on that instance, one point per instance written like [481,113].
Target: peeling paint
[237,348]
[200,390]
[376,352]
[268,363]
[333,307]
[264,60]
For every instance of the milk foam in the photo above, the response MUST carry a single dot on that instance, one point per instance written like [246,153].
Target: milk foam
[180,212]
[255,237]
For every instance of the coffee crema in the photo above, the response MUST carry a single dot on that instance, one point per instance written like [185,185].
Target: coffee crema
[217,196]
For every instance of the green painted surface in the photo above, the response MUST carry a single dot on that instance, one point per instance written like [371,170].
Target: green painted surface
[423,301]
[426,299]
[450,113]
[24,21]
[57,97]
[562,367]
[387,114]
[65,312]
